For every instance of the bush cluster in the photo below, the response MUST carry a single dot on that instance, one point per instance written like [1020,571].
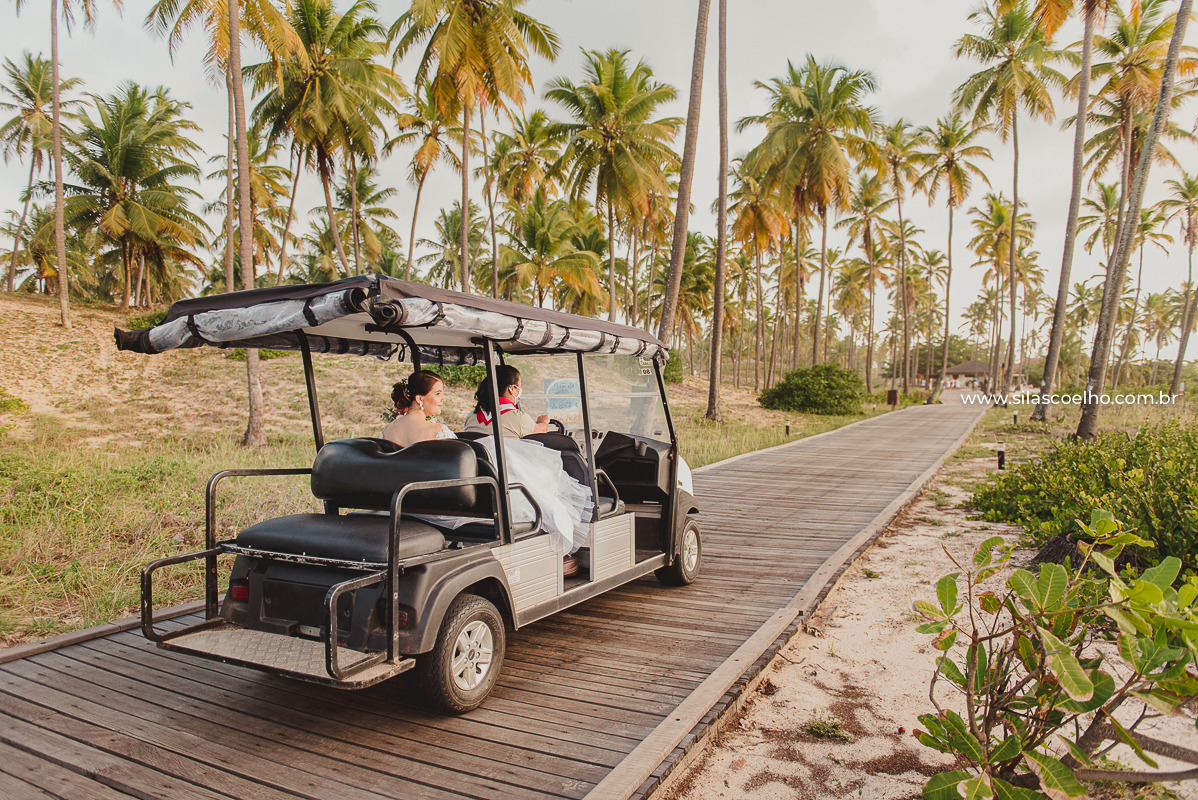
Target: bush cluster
[468,375]
[822,389]
[1150,481]
[673,369]
[146,320]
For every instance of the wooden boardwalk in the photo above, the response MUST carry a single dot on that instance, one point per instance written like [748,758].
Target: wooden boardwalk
[596,701]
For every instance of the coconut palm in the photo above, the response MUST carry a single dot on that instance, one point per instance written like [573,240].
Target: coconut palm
[1151,231]
[897,146]
[992,222]
[424,126]
[1015,55]
[268,182]
[1103,221]
[368,206]
[950,161]
[614,146]
[758,221]
[28,94]
[866,208]
[475,54]
[128,158]
[817,121]
[1161,316]
[721,244]
[541,253]
[332,103]
[685,177]
[1182,205]
[1088,424]
[444,267]
[87,9]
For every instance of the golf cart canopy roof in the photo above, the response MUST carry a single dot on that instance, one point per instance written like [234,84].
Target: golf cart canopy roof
[380,316]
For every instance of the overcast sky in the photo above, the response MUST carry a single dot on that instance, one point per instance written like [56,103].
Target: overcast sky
[906,44]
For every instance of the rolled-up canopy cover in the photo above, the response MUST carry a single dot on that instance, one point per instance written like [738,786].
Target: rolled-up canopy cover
[373,315]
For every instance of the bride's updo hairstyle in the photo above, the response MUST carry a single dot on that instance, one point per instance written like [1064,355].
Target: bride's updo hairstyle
[405,392]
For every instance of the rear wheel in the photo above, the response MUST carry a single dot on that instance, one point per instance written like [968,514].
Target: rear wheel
[689,559]
[460,671]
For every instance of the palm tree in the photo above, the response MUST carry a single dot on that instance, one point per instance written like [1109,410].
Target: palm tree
[425,126]
[268,182]
[1050,15]
[526,160]
[993,224]
[541,251]
[331,103]
[897,145]
[1015,53]
[1085,302]
[369,207]
[1104,220]
[816,122]
[690,141]
[128,159]
[613,144]
[869,202]
[1088,424]
[1183,205]
[1151,231]
[950,161]
[1159,321]
[480,51]
[88,9]
[28,93]
[445,262]
[721,246]
[758,221]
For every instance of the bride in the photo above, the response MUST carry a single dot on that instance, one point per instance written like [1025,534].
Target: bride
[565,504]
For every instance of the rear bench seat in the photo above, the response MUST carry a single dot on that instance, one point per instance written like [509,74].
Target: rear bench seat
[364,474]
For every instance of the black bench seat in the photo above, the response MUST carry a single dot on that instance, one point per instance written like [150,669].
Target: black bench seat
[349,537]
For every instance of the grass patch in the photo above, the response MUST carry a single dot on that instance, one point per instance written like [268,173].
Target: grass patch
[873,575]
[826,726]
[10,404]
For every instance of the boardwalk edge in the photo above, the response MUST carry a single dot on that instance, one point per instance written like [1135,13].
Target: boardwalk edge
[678,741]
[98,632]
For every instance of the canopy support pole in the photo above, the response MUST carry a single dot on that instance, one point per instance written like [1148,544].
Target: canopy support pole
[489,356]
[586,426]
[310,380]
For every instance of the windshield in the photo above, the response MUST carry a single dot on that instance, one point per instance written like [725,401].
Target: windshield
[621,390]
[624,396]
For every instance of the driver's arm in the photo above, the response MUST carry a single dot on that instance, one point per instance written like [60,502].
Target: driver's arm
[542,425]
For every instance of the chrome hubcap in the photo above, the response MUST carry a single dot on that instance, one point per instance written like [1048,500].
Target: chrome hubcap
[690,550]
[472,654]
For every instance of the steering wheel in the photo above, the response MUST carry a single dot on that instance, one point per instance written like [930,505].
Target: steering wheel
[561,428]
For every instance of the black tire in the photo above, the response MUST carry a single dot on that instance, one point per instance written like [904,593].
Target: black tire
[471,622]
[687,561]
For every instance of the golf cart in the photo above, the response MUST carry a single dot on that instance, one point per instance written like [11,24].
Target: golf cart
[374,586]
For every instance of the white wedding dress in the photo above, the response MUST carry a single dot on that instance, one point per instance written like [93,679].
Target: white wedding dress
[566,505]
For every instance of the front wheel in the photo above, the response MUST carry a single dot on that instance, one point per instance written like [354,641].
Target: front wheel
[686,564]
[460,671]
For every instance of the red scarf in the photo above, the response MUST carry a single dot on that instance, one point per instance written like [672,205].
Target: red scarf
[505,405]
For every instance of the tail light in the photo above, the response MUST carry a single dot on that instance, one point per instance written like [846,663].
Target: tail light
[239,591]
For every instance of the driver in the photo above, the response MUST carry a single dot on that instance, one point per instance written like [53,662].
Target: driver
[512,421]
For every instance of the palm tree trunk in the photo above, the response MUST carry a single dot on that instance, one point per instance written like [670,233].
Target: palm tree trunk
[141,271]
[903,285]
[60,234]
[325,168]
[823,268]
[355,224]
[1187,324]
[757,341]
[283,263]
[1135,304]
[1087,427]
[611,260]
[412,236]
[686,176]
[796,239]
[464,236]
[948,282]
[636,256]
[16,243]
[127,274]
[1057,336]
[869,338]
[255,431]
[482,128]
[1009,372]
[230,174]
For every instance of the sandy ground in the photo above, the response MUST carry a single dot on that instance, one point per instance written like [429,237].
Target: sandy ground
[860,660]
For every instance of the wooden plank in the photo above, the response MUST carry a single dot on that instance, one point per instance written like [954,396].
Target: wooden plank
[39,778]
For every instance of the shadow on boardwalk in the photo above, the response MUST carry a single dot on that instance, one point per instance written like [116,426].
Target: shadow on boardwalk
[590,701]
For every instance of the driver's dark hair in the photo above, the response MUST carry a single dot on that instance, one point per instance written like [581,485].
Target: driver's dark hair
[419,383]
[507,375]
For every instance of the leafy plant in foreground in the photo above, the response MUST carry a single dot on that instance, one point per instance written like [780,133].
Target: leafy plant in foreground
[1027,663]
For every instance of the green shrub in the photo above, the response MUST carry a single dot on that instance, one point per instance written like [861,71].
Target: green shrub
[822,389]
[1149,481]
[146,320]
[470,375]
[673,371]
